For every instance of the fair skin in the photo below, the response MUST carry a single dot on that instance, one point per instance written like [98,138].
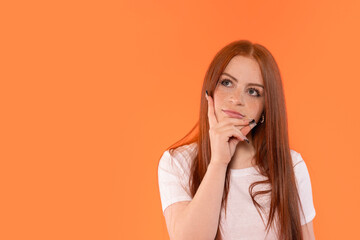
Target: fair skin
[239,89]
[241,95]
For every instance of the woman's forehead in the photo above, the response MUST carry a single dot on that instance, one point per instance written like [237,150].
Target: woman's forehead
[243,69]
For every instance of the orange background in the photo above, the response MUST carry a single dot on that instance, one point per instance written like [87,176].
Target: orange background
[93,92]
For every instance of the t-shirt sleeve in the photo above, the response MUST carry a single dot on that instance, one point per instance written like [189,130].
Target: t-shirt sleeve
[305,190]
[173,180]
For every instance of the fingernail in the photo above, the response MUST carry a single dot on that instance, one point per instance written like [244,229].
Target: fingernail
[252,121]
[247,140]
[252,124]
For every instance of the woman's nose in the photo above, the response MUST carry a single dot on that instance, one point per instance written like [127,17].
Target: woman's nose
[237,98]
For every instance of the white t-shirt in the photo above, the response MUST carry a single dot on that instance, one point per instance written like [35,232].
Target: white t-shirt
[242,219]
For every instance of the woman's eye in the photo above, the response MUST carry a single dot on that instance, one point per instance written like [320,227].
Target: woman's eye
[255,90]
[226,80]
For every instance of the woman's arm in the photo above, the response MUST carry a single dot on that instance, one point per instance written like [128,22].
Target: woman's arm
[308,231]
[200,219]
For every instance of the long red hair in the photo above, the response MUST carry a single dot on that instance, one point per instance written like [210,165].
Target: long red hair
[270,140]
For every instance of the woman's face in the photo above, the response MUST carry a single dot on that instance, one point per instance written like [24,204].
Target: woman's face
[240,88]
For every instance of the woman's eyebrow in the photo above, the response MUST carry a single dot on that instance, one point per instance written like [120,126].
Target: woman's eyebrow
[255,84]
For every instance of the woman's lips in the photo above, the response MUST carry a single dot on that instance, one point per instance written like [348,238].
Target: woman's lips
[233,114]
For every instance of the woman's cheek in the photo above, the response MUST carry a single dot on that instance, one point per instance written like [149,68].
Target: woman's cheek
[255,108]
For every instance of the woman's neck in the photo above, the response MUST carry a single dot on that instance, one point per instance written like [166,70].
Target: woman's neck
[243,156]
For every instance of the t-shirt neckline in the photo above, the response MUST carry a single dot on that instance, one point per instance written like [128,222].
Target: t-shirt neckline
[243,171]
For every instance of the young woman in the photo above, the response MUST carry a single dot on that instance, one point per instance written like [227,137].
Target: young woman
[237,177]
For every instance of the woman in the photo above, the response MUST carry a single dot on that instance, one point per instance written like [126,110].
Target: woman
[237,178]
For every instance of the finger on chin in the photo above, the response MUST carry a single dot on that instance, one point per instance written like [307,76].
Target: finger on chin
[245,130]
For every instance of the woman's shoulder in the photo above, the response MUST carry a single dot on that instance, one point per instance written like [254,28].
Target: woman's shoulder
[181,156]
[296,157]
[297,160]
[185,151]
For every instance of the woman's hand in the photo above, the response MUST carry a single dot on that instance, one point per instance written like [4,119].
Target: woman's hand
[224,135]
